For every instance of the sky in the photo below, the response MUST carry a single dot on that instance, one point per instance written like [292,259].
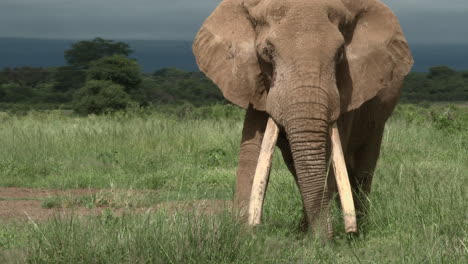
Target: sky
[423,21]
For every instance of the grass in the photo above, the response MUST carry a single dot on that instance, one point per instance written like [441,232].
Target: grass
[417,212]
[119,151]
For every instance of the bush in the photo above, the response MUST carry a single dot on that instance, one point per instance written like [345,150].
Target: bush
[447,120]
[410,113]
[97,97]
[214,156]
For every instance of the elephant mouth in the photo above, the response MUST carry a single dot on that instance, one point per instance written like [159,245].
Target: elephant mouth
[263,168]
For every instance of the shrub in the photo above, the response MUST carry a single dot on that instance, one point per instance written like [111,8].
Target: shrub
[447,120]
[410,113]
[97,97]
[214,157]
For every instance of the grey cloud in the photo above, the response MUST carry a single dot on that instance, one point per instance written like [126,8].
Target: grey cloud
[427,5]
[147,19]
[422,20]
[433,27]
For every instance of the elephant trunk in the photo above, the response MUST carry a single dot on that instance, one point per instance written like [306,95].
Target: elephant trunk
[306,123]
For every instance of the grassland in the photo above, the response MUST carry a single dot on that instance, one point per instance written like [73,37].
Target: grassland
[418,211]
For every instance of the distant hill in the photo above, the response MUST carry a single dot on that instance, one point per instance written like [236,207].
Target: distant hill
[156,54]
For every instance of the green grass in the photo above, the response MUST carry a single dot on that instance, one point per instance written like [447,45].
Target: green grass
[417,212]
[119,151]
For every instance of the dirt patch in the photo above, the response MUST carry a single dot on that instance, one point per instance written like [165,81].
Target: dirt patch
[20,193]
[19,204]
[25,204]
[16,210]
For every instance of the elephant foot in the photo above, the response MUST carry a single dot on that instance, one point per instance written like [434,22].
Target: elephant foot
[303,225]
[241,210]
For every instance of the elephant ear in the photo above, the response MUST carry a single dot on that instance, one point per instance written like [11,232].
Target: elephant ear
[225,51]
[377,54]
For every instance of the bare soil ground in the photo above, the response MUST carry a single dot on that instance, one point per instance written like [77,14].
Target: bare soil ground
[23,204]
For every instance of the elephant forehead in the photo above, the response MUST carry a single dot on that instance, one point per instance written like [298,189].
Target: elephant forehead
[264,10]
[267,9]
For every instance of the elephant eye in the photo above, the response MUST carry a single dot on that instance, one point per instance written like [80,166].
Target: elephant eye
[253,21]
[267,51]
[340,54]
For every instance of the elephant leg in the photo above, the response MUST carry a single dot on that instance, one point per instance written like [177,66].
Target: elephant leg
[252,135]
[365,142]
[365,161]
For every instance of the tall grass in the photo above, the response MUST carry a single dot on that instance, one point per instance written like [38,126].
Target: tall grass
[122,150]
[417,211]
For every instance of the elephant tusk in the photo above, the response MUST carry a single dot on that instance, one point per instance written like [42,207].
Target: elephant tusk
[342,181]
[262,173]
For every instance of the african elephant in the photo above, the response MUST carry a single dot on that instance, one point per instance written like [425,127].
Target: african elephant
[308,64]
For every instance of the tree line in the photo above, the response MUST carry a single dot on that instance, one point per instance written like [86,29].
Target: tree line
[100,76]
[441,83]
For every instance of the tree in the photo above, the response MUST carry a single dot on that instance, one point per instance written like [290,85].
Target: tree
[441,83]
[440,72]
[97,97]
[14,93]
[183,86]
[118,69]
[171,73]
[82,53]
[26,76]
[68,78]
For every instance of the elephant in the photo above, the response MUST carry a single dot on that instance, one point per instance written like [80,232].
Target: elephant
[308,64]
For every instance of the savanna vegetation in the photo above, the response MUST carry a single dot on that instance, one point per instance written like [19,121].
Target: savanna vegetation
[147,139]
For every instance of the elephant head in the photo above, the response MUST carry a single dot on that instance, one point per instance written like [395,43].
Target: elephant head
[304,62]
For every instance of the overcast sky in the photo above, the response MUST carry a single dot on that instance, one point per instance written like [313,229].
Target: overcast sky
[424,21]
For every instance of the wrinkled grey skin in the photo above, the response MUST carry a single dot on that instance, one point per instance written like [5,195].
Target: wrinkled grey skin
[307,64]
